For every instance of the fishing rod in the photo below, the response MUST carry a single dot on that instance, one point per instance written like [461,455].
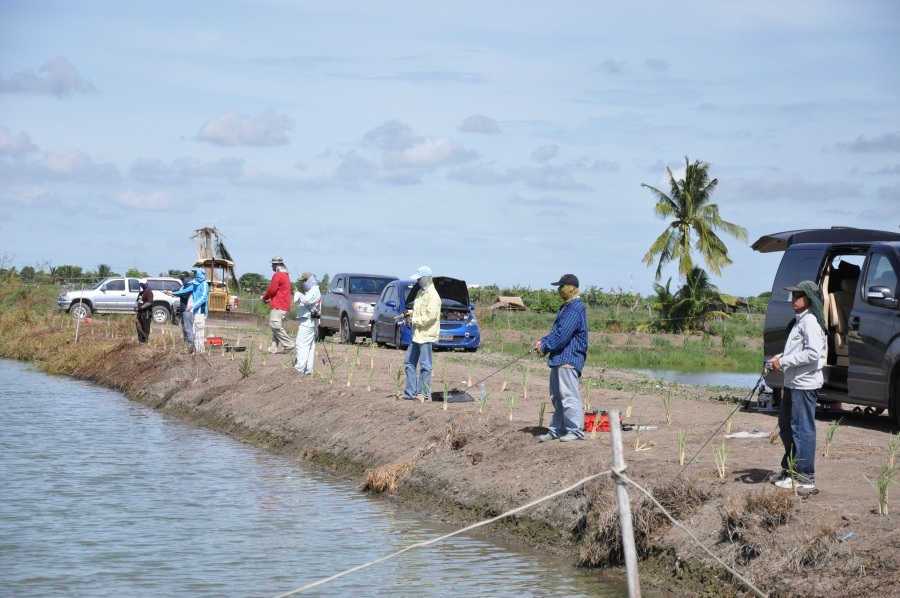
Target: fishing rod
[519,358]
[745,403]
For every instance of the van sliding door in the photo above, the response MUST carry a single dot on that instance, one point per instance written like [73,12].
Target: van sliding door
[872,329]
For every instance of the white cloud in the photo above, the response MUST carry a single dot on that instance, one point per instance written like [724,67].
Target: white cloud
[657,65]
[235,129]
[155,172]
[15,145]
[75,166]
[780,185]
[612,67]
[146,202]
[544,177]
[56,77]
[404,156]
[889,142]
[480,124]
[545,152]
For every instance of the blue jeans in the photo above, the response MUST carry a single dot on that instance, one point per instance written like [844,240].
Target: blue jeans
[187,327]
[797,424]
[568,412]
[418,354]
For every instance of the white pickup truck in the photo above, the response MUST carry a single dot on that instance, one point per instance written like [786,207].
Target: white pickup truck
[118,295]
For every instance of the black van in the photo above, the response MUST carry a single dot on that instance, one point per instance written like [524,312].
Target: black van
[858,271]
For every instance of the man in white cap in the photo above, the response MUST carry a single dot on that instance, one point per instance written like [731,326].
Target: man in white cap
[278,296]
[425,319]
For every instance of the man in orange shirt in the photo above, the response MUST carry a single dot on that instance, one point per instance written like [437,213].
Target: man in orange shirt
[278,296]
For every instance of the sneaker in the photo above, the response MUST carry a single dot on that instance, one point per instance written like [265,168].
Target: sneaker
[546,437]
[570,437]
[775,477]
[788,483]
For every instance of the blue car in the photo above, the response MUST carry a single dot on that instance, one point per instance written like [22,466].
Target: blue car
[459,327]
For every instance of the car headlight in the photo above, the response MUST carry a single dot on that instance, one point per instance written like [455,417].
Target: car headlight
[363,308]
[63,296]
[473,321]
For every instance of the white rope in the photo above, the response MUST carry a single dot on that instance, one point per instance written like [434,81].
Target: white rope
[757,591]
[444,537]
[737,575]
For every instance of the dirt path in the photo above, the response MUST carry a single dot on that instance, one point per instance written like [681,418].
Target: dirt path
[462,466]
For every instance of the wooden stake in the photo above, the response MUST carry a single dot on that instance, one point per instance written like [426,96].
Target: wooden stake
[628,545]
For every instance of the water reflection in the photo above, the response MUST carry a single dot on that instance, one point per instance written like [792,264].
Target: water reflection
[103,497]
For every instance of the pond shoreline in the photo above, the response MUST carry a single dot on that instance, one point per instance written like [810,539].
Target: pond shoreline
[462,466]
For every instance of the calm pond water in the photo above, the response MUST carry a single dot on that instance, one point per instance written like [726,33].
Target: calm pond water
[704,378]
[104,497]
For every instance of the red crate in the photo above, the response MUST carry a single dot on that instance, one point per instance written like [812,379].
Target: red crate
[214,341]
[598,420]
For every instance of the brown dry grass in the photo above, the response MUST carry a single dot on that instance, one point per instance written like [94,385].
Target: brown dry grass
[384,478]
[602,538]
[748,523]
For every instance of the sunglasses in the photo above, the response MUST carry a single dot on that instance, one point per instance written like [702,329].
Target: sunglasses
[797,295]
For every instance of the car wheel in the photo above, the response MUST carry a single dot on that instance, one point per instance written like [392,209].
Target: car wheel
[347,337]
[398,337]
[160,314]
[372,335]
[80,310]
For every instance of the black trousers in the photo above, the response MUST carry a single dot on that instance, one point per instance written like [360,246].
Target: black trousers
[143,325]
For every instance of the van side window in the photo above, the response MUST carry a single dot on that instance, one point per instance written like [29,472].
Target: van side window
[881,274]
[797,265]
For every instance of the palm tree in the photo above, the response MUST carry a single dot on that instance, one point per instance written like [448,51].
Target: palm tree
[688,206]
[699,300]
[691,306]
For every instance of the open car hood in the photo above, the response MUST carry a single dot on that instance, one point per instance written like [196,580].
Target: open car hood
[452,289]
[836,234]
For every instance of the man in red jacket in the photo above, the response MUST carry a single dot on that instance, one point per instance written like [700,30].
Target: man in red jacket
[278,296]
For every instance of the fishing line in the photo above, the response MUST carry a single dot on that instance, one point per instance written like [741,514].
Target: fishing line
[519,358]
[745,403]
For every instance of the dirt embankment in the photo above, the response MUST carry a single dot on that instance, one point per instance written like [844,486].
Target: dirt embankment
[462,465]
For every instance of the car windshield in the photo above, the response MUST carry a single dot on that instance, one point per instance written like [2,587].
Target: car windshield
[368,285]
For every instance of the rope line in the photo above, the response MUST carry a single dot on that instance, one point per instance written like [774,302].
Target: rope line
[737,575]
[612,473]
[445,536]
[743,402]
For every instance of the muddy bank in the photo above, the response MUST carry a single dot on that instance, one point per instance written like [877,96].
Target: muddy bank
[463,466]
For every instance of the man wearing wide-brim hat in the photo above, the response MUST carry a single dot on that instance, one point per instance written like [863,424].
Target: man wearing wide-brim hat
[566,346]
[802,361]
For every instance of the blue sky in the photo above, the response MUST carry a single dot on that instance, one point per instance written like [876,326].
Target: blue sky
[500,142]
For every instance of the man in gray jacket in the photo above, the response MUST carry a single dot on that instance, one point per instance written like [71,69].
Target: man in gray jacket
[802,361]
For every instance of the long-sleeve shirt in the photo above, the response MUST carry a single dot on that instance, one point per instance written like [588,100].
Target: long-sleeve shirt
[567,342]
[279,292]
[306,302]
[426,316]
[804,353]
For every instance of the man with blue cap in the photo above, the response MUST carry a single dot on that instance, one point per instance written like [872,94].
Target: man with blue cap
[425,319]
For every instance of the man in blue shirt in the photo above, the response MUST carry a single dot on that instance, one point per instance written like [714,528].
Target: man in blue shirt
[567,346]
